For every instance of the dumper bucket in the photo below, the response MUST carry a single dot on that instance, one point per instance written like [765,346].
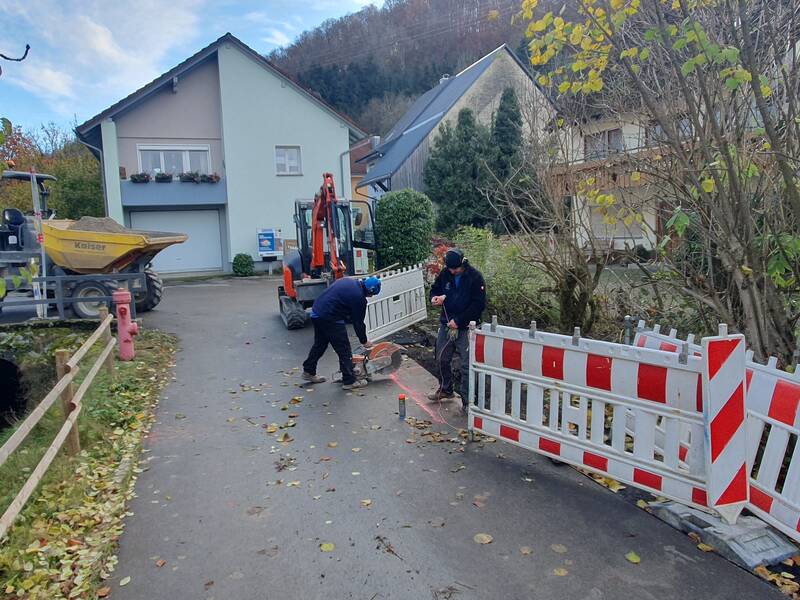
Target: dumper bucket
[71,245]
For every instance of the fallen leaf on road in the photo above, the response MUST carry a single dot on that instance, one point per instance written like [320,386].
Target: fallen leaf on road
[208,584]
[272,428]
[160,563]
[705,547]
[560,572]
[355,473]
[437,522]
[180,416]
[103,592]
[482,538]
[325,458]
[296,400]
[327,547]
[375,427]
[356,449]
[331,489]
[293,415]
[560,548]
[316,497]
[124,581]
[255,510]
[293,484]
[633,557]
[230,419]
[694,537]
[285,438]
[366,503]
[458,468]
[526,550]
[333,444]
[642,504]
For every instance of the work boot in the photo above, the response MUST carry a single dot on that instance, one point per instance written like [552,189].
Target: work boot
[440,395]
[359,383]
[313,378]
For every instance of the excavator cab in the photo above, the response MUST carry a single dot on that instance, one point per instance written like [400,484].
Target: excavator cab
[325,250]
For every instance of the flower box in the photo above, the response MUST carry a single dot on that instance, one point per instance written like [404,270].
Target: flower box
[140,177]
[190,177]
[163,177]
[209,178]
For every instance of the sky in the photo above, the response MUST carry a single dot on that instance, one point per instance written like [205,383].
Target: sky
[87,54]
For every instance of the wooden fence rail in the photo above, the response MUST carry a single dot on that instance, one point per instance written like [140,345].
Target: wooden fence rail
[66,369]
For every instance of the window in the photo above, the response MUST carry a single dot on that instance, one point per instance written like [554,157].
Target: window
[157,159]
[600,145]
[287,160]
[655,135]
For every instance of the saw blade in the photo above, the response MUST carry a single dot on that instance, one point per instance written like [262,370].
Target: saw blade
[384,358]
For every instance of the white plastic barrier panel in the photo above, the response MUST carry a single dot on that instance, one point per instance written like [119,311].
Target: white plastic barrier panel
[600,406]
[772,403]
[401,303]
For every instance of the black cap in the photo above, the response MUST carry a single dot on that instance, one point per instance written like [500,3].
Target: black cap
[454,258]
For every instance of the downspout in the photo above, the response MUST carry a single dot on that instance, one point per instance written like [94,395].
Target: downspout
[102,167]
[341,170]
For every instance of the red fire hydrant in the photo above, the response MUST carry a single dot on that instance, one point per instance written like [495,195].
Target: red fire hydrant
[126,328]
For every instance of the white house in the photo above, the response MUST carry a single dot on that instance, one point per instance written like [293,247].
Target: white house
[227,111]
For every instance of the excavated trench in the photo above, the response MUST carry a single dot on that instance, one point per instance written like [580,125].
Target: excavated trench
[12,394]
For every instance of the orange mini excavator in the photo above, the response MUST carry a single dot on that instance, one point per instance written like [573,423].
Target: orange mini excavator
[324,250]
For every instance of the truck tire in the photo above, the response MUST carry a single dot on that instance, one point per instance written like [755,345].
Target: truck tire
[292,312]
[85,307]
[149,298]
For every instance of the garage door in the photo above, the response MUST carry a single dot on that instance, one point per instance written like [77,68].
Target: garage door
[201,252]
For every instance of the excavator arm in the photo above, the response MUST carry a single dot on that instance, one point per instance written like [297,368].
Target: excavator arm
[324,219]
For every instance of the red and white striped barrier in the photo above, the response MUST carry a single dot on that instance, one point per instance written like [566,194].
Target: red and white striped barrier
[600,406]
[771,400]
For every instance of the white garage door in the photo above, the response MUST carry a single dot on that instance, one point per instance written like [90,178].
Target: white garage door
[201,252]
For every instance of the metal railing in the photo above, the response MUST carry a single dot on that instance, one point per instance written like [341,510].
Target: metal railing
[61,300]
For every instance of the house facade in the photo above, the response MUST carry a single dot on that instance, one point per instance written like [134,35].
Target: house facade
[225,113]
[399,161]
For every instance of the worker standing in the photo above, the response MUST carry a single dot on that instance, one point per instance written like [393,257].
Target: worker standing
[461,292]
[344,298]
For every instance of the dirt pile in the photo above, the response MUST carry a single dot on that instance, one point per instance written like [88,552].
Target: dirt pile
[98,224]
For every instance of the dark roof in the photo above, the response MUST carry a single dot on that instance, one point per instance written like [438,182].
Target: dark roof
[424,115]
[84,129]
[358,151]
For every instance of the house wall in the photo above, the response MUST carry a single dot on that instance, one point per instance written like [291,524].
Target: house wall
[259,111]
[483,98]
[188,116]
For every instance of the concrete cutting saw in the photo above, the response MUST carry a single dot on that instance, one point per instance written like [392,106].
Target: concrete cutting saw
[383,358]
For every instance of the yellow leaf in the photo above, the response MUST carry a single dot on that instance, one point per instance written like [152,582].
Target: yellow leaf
[766,146]
[327,547]
[636,176]
[124,581]
[526,550]
[333,444]
[293,484]
[560,572]
[642,504]
[272,428]
[708,185]
[482,538]
[559,548]
[285,438]
[366,503]
[563,87]
[356,449]
[705,547]
[543,80]
[617,4]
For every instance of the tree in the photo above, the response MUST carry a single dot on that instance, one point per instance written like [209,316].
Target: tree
[455,172]
[404,226]
[716,84]
[506,134]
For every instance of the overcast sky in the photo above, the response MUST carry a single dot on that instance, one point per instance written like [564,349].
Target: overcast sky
[85,55]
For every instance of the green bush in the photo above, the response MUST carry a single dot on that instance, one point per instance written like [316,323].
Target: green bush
[516,291]
[404,225]
[243,265]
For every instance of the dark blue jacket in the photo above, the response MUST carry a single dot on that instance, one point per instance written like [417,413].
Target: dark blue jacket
[465,302]
[344,299]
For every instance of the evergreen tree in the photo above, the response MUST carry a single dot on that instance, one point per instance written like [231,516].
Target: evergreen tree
[506,134]
[454,173]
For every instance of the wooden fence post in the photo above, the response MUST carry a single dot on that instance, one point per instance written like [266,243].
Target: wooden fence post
[107,338]
[73,439]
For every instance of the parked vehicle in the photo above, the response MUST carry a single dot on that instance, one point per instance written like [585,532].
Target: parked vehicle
[89,246]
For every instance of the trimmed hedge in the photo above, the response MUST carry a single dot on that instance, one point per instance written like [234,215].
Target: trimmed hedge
[404,223]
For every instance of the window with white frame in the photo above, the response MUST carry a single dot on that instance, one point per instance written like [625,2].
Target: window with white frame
[288,160]
[599,145]
[174,160]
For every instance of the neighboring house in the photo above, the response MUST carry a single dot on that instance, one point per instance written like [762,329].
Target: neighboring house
[358,167]
[225,110]
[399,162]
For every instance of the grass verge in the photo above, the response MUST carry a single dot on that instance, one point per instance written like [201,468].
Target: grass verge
[63,543]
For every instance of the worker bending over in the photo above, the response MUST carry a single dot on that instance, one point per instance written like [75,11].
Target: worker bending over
[345,298]
[461,292]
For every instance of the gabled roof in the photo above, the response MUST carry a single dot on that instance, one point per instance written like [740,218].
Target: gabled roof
[424,115]
[86,128]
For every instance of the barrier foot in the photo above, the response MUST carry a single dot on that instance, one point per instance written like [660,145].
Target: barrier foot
[749,543]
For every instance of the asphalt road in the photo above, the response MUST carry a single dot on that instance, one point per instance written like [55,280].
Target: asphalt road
[401,512]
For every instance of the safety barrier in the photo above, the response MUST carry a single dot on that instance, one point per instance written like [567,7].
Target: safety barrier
[773,426]
[401,302]
[600,406]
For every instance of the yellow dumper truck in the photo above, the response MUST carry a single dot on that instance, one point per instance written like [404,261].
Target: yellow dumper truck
[78,253]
